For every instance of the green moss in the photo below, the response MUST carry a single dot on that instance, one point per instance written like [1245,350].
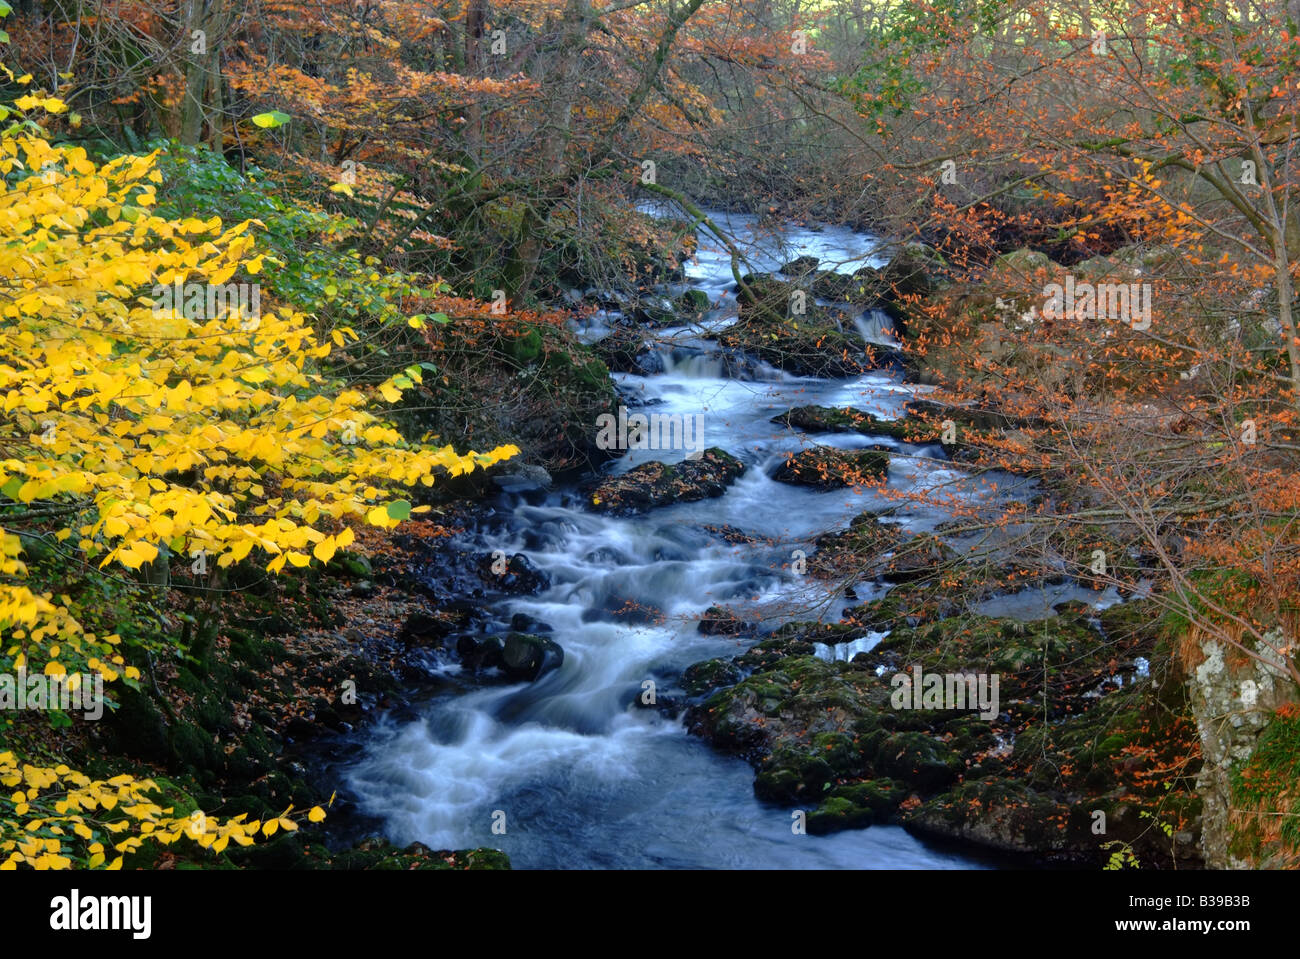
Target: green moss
[826,419]
[699,678]
[527,347]
[1268,779]
[838,813]
[791,775]
[919,759]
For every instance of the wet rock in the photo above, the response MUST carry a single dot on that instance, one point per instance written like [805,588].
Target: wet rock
[651,485]
[856,806]
[529,657]
[787,701]
[831,738]
[824,419]
[1006,816]
[772,651]
[717,621]
[785,327]
[838,287]
[968,416]
[692,304]
[425,629]
[523,623]
[705,677]
[654,312]
[793,775]
[796,639]
[732,535]
[876,614]
[516,575]
[800,266]
[380,854]
[916,270]
[481,652]
[628,351]
[921,760]
[824,467]
[863,548]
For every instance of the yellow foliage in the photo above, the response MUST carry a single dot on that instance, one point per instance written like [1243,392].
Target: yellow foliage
[61,819]
[161,432]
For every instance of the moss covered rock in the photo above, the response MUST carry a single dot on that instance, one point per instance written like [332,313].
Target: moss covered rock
[824,467]
[826,419]
[651,485]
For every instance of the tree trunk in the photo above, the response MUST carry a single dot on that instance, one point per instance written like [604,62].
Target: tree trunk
[196,72]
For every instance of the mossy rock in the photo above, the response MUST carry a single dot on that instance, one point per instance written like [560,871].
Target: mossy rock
[826,419]
[770,652]
[810,343]
[871,547]
[348,563]
[1002,815]
[920,760]
[526,347]
[651,485]
[695,303]
[836,813]
[880,614]
[1264,786]
[792,775]
[701,678]
[824,467]
[856,806]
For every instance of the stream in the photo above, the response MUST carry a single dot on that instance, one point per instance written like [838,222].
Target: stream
[575,769]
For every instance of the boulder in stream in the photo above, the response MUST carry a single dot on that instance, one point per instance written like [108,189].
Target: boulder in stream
[650,485]
[528,657]
[515,574]
[825,467]
[784,326]
[800,266]
[825,419]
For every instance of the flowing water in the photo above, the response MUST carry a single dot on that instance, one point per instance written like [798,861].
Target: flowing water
[577,772]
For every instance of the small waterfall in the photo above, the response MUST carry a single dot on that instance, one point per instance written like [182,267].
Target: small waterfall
[693,363]
[876,328]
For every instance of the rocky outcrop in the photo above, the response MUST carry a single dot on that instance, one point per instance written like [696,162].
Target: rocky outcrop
[784,326]
[651,485]
[1234,699]
[824,467]
[1059,768]
[824,419]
